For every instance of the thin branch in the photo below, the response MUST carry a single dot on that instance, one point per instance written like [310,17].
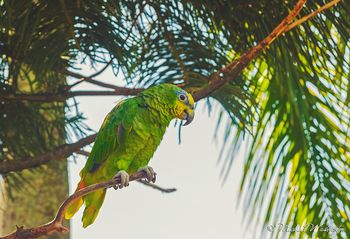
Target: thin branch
[156,187]
[99,83]
[69,87]
[311,15]
[62,151]
[87,79]
[56,224]
[102,70]
[233,69]
[135,20]
[120,91]
[83,152]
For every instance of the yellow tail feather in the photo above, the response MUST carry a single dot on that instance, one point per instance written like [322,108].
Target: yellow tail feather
[93,203]
[73,208]
[76,204]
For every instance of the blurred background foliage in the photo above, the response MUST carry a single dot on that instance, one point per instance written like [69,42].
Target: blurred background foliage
[290,106]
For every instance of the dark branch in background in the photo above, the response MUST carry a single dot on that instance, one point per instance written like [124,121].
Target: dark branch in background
[156,187]
[83,152]
[66,94]
[56,224]
[102,70]
[49,97]
[62,151]
[90,79]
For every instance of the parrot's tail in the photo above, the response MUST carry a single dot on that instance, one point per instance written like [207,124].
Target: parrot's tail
[93,203]
[76,204]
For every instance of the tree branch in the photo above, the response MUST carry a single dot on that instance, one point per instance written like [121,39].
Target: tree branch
[311,15]
[56,224]
[63,96]
[102,70]
[49,97]
[83,152]
[62,151]
[156,187]
[233,69]
[129,91]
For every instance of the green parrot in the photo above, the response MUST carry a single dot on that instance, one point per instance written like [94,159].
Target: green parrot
[127,140]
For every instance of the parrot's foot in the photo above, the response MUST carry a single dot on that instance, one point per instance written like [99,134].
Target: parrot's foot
[151,175]
[124,179]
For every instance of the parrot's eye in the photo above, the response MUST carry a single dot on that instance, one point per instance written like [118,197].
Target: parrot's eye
[182,97]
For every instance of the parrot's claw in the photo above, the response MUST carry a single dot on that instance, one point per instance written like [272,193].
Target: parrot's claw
[124,179]
[151,175]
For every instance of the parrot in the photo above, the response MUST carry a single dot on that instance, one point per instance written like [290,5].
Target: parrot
[127,140]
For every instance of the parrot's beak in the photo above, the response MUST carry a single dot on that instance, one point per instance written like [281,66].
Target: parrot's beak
[189,116]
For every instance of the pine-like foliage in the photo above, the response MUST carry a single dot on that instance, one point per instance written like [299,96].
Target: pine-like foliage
[292,102]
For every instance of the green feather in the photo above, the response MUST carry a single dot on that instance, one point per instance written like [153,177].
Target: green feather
[127,140]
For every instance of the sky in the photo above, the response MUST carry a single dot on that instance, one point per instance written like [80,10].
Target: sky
[202,207]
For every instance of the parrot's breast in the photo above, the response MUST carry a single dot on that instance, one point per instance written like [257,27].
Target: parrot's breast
[151,134]
[132,135]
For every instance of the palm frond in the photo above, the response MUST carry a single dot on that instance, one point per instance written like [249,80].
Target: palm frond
[298,159]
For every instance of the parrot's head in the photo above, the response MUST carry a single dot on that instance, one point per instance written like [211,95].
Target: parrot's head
[172,99]
[184,106]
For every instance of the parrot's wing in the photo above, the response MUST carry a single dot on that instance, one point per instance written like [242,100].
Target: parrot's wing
[113,131]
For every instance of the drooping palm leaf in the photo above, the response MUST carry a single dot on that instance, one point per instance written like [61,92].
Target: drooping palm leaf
[301,139]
